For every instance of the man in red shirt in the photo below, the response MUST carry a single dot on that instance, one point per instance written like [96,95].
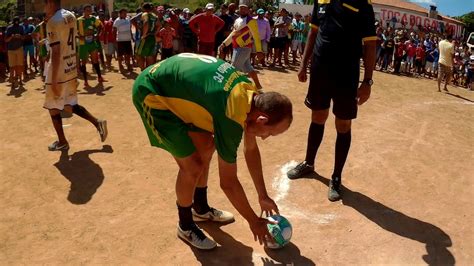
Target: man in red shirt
[205,26]
[109,39]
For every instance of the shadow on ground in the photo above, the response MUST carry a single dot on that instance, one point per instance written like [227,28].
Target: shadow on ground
[229,251]
[85,175]
[98,89]
[435,239]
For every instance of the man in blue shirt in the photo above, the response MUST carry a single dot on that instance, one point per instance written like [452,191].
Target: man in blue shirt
[28,46]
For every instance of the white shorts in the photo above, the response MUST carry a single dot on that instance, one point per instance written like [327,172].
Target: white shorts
[296,46]
[411,60]
[68,96]
[429,66]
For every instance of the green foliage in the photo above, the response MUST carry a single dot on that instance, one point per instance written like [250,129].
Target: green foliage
[468,19]
[7,10]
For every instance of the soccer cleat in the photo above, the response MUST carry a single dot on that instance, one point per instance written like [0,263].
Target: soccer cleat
[214,215]
[196,237]
[300,170]
[334,193]
[102,128]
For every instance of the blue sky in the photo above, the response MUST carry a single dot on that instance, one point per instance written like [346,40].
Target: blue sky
[449,7]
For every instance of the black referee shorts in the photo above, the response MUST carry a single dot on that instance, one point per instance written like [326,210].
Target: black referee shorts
[337,83]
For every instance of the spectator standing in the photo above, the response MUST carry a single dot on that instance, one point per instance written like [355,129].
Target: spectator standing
[205,26]
[40,39]
[281,26]
[28,45]
[167,33]
[14,38]
[411,53]
[297,37]
[109,40]
[420,58]
[224,32]
[123,31]
[3,54]
[446,60]
[389,46]
[264,32]
[189,39]
[305,32]
[176,25]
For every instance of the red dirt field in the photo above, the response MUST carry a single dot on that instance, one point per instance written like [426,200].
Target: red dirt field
[408,184]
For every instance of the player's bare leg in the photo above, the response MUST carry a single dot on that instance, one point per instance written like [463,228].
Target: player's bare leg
[58,127]
[95,64]
[100,125]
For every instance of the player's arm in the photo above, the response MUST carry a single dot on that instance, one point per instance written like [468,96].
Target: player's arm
[308,50]
[100,27]
[55,58]
[193,23]
[236,194]
[254,164]
[369,51]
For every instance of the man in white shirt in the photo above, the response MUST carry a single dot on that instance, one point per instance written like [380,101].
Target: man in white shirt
[61,75]
[122,28]
[446,59]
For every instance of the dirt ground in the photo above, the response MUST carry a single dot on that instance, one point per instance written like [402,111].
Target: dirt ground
[408,184]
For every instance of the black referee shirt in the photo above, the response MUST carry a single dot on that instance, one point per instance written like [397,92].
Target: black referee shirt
[343,26]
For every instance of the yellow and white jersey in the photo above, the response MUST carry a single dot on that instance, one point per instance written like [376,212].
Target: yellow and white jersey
[61,28]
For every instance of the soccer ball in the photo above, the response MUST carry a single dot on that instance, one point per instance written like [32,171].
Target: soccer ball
[281,231]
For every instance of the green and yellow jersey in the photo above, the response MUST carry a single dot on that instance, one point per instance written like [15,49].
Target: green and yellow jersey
[150,19]
[87,27]
[202,92]
[40,30]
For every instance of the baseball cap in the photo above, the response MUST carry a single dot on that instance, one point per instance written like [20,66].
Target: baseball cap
[260,11]
[243,3]
[210,6]
[186,10]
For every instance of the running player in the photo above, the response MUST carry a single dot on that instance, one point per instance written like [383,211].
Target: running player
[194,104]
[150,26]
[89,28]
[61,76]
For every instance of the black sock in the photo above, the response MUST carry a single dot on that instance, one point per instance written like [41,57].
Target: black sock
[200,204]
[185,217]
[315,136]
[84,72]
[343,143]
[97,69]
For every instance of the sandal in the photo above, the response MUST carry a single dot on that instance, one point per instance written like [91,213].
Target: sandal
[56,147]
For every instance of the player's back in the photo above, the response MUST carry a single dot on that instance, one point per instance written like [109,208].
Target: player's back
[61,29]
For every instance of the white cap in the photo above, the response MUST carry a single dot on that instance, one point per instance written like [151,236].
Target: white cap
[210,6]
[186,10]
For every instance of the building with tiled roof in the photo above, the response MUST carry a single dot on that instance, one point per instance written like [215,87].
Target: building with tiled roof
[397,14]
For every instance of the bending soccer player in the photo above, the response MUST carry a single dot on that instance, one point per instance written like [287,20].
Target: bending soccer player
[194,104]
[61,75]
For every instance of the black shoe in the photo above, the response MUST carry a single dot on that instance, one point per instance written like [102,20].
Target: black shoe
[334,193]
[300,170]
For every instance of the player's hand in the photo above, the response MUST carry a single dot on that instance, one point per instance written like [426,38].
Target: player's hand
[268,206]
[363,94]
[260,231]
[302,76]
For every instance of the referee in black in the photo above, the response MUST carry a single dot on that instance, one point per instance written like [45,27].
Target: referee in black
[342,31]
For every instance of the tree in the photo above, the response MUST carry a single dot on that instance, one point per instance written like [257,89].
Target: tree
[7,11]
[467,19]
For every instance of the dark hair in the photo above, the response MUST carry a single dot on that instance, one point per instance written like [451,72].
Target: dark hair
[224,6]
[147,6]
[277,106]
[86,6]
[123,10]
[449,37]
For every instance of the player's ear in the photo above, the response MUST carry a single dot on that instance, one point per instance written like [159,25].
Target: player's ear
[262,119]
